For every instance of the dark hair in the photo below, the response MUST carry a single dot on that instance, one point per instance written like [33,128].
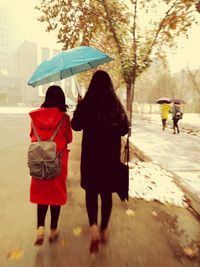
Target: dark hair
[55,98]
[100,88]
[100,105]
[100,108]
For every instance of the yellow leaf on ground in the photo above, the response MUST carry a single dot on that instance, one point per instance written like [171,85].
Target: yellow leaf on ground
[77,231]
[63,242]
[167,205]
[15,254]
[154,213]
[130,212]
[190,252]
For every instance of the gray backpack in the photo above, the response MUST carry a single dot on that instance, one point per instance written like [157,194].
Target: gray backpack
[43,158]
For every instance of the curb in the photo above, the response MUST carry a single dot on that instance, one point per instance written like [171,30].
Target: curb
[192,201]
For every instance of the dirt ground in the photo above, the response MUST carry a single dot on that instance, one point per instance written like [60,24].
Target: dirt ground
[142,234]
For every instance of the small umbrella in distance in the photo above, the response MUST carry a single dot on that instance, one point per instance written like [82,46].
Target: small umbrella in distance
[163,100]
[178,101]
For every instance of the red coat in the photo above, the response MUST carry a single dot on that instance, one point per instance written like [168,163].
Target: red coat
[52,192]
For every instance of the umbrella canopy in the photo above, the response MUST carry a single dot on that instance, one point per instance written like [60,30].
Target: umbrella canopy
[68,63]
[178,101]
[163,100]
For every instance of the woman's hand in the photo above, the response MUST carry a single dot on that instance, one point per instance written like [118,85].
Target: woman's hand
[79,99]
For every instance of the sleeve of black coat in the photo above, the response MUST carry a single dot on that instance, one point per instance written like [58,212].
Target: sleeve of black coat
[123,122]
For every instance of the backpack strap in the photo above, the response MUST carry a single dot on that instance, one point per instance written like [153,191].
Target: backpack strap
[55,132]
[36,133]
[58,127]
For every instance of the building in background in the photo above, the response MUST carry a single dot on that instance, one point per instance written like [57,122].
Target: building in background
[27,57]
[17,66]
[5,42]
[25,61]
[9,82]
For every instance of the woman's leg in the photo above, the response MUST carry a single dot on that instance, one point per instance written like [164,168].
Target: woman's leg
[174,125]
[92,206]
[164,123]
[177,126]
[92,210]
[106,208]
[41,214]
[55,213]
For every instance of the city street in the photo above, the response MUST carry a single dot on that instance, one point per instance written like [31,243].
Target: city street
[142,233]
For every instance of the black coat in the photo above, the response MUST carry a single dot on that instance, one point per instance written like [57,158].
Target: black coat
[101,144]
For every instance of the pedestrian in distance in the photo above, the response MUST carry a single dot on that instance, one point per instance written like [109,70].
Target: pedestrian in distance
[103,120]
[177,114]
[52,192]
[165,109]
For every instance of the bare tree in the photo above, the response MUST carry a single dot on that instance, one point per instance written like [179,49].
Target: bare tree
[194,77]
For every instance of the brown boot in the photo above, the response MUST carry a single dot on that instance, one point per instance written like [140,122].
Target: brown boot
[39,236]
[95,238]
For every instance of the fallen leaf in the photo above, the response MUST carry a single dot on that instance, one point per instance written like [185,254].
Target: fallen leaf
[167,205]
[15,254]
[63,242]
[190,252]
[154,213]
[77,231]
[130,212]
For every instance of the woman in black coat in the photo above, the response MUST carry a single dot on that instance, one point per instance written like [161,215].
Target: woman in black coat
[103,120]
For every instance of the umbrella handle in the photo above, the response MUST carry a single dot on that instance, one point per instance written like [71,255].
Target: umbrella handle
[79,95]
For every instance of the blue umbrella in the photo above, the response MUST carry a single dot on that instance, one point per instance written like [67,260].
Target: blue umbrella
[67,63]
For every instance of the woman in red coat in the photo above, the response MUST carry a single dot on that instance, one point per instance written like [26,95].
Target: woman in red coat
[52,192]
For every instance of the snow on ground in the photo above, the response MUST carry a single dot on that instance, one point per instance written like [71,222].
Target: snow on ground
[22,110]
[15,110]
[148,181]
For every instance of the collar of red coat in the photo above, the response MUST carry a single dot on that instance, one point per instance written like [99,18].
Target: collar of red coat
[46,118]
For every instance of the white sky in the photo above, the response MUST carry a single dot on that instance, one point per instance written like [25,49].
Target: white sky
[188,50]
[26,27]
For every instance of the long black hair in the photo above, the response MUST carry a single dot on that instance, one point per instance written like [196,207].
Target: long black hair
[100,90]
[55,98]
[100,102]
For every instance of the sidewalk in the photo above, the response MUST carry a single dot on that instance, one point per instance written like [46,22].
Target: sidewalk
[189,121]
[179,154]
[142,234]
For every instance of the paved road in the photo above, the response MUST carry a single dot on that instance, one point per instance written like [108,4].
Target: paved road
[142,239]
[178,153]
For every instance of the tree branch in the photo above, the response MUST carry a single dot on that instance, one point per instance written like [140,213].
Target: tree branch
[193,80]
[112,29]
[160,27]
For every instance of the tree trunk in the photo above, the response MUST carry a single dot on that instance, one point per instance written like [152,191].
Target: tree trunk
[128,97]
[129,100]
